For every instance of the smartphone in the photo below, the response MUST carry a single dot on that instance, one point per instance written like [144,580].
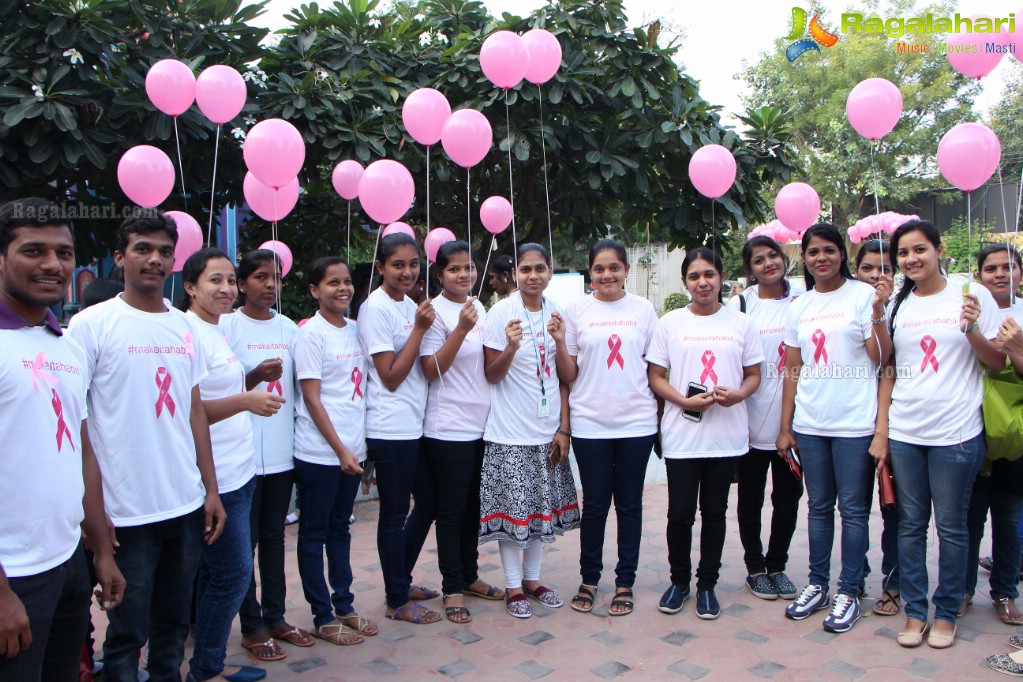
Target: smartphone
[694,389]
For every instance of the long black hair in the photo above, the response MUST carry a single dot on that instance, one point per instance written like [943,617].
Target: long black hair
[928,230]
[444,254]
[830,233]
[192,270]
[252,261]
[709,255]
[747,257]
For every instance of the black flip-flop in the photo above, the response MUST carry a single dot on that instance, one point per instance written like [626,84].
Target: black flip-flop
[584,598]
[623,598]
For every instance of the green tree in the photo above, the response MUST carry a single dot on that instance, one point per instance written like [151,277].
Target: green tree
[836,159]
[1006,119]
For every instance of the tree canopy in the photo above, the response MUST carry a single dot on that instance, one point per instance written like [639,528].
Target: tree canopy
[620,119]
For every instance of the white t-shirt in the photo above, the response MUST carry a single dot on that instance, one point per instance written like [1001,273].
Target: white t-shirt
[386,325]
[1015,310]
[43,379]
[273,438]
[143,367]
[458,405]
[939,383]
[711,350]
[611,396]
[837,391]
[764,406]
[514,401]
[225,377]
[333,355]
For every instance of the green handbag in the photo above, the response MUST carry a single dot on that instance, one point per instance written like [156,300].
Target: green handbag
[1003,413]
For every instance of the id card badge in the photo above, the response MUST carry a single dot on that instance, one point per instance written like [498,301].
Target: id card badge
[543,408]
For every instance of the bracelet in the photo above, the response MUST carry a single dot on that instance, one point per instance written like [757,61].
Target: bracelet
[973,325]
[879,320]
[565,433]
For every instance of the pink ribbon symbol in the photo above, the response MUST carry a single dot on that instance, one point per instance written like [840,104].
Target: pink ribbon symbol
[357,380]
[819,350]
[189,350]
[615,344]
[38,374]
[708,361]
[928,344]
[62,428]
[543,361]
[275,386]
[163,382]
[781,356]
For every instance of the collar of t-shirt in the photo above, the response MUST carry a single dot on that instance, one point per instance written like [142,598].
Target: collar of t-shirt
[11,320]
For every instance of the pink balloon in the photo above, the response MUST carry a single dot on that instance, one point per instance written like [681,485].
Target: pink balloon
[274,151]
[146,175]
[712,170]
[504,59]
[424,113]
[467,137]
[496,214]
[967,53]
[436,238]
[855,237]
[189,238]
[170,85]
[283,253]
[544,55]
[874,107]
[386,191]
[398,228]
[345,179]
[220,93]
[797,206]
[268,203]
[968,155]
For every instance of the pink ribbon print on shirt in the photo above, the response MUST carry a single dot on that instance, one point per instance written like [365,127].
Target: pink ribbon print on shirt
[781,356]
[189,349]
[708,361]
[62,427]
[543,360]
[163,383]
[819,351]
[614,343]
[38,374]
[357,380]
[928,345]
[275,386]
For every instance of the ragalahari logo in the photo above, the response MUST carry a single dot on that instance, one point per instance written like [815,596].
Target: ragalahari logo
[819,37]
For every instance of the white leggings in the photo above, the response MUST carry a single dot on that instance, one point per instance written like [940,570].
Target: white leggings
[520,564]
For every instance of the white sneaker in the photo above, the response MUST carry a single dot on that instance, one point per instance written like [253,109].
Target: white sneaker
[812,598]
[845,611]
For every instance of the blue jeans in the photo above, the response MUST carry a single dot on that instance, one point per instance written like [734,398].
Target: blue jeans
[225,570]
[941,476]
[159,561]
[611,469]
[57,604]
[328,496]
[837,470]
[1005,544]
[395,462]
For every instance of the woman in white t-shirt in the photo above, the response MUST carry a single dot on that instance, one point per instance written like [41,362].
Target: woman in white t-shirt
[330,446]
[837,338]
[391,328]
[527,492]
[929,419]
[456,416]
[601,353]
[766,301]
[225,567]
[714,356]
[999,487]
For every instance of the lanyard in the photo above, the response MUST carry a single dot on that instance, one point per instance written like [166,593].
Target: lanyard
[541,361]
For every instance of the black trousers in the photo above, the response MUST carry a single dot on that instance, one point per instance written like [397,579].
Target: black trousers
[786,490]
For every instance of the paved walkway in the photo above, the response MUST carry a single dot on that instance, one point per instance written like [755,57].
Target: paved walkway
[752,639]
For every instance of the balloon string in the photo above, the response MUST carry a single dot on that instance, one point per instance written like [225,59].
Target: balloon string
[546,191]
[181,168]
[493,242]
[511,184]
[348,235]
[877,205]
[1005,222]
[277,258]
[373,263]
[427,193]
[468,212]
[216,151]
[969,239]
[713,225]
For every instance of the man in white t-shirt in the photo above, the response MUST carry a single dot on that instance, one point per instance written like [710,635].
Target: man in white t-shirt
[48,466]
[152,439]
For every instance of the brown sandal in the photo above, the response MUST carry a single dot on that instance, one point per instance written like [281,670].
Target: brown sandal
[294,636]
[338,633]
[364,626]
[265,651]
[1005,606]
[413,613]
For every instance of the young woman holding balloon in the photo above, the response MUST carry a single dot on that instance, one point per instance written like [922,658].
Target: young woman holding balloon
[601,350]
[391,328]
[456,416]
[836,339]
[766,302]
[714,357]
[527,491]
[933,436]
